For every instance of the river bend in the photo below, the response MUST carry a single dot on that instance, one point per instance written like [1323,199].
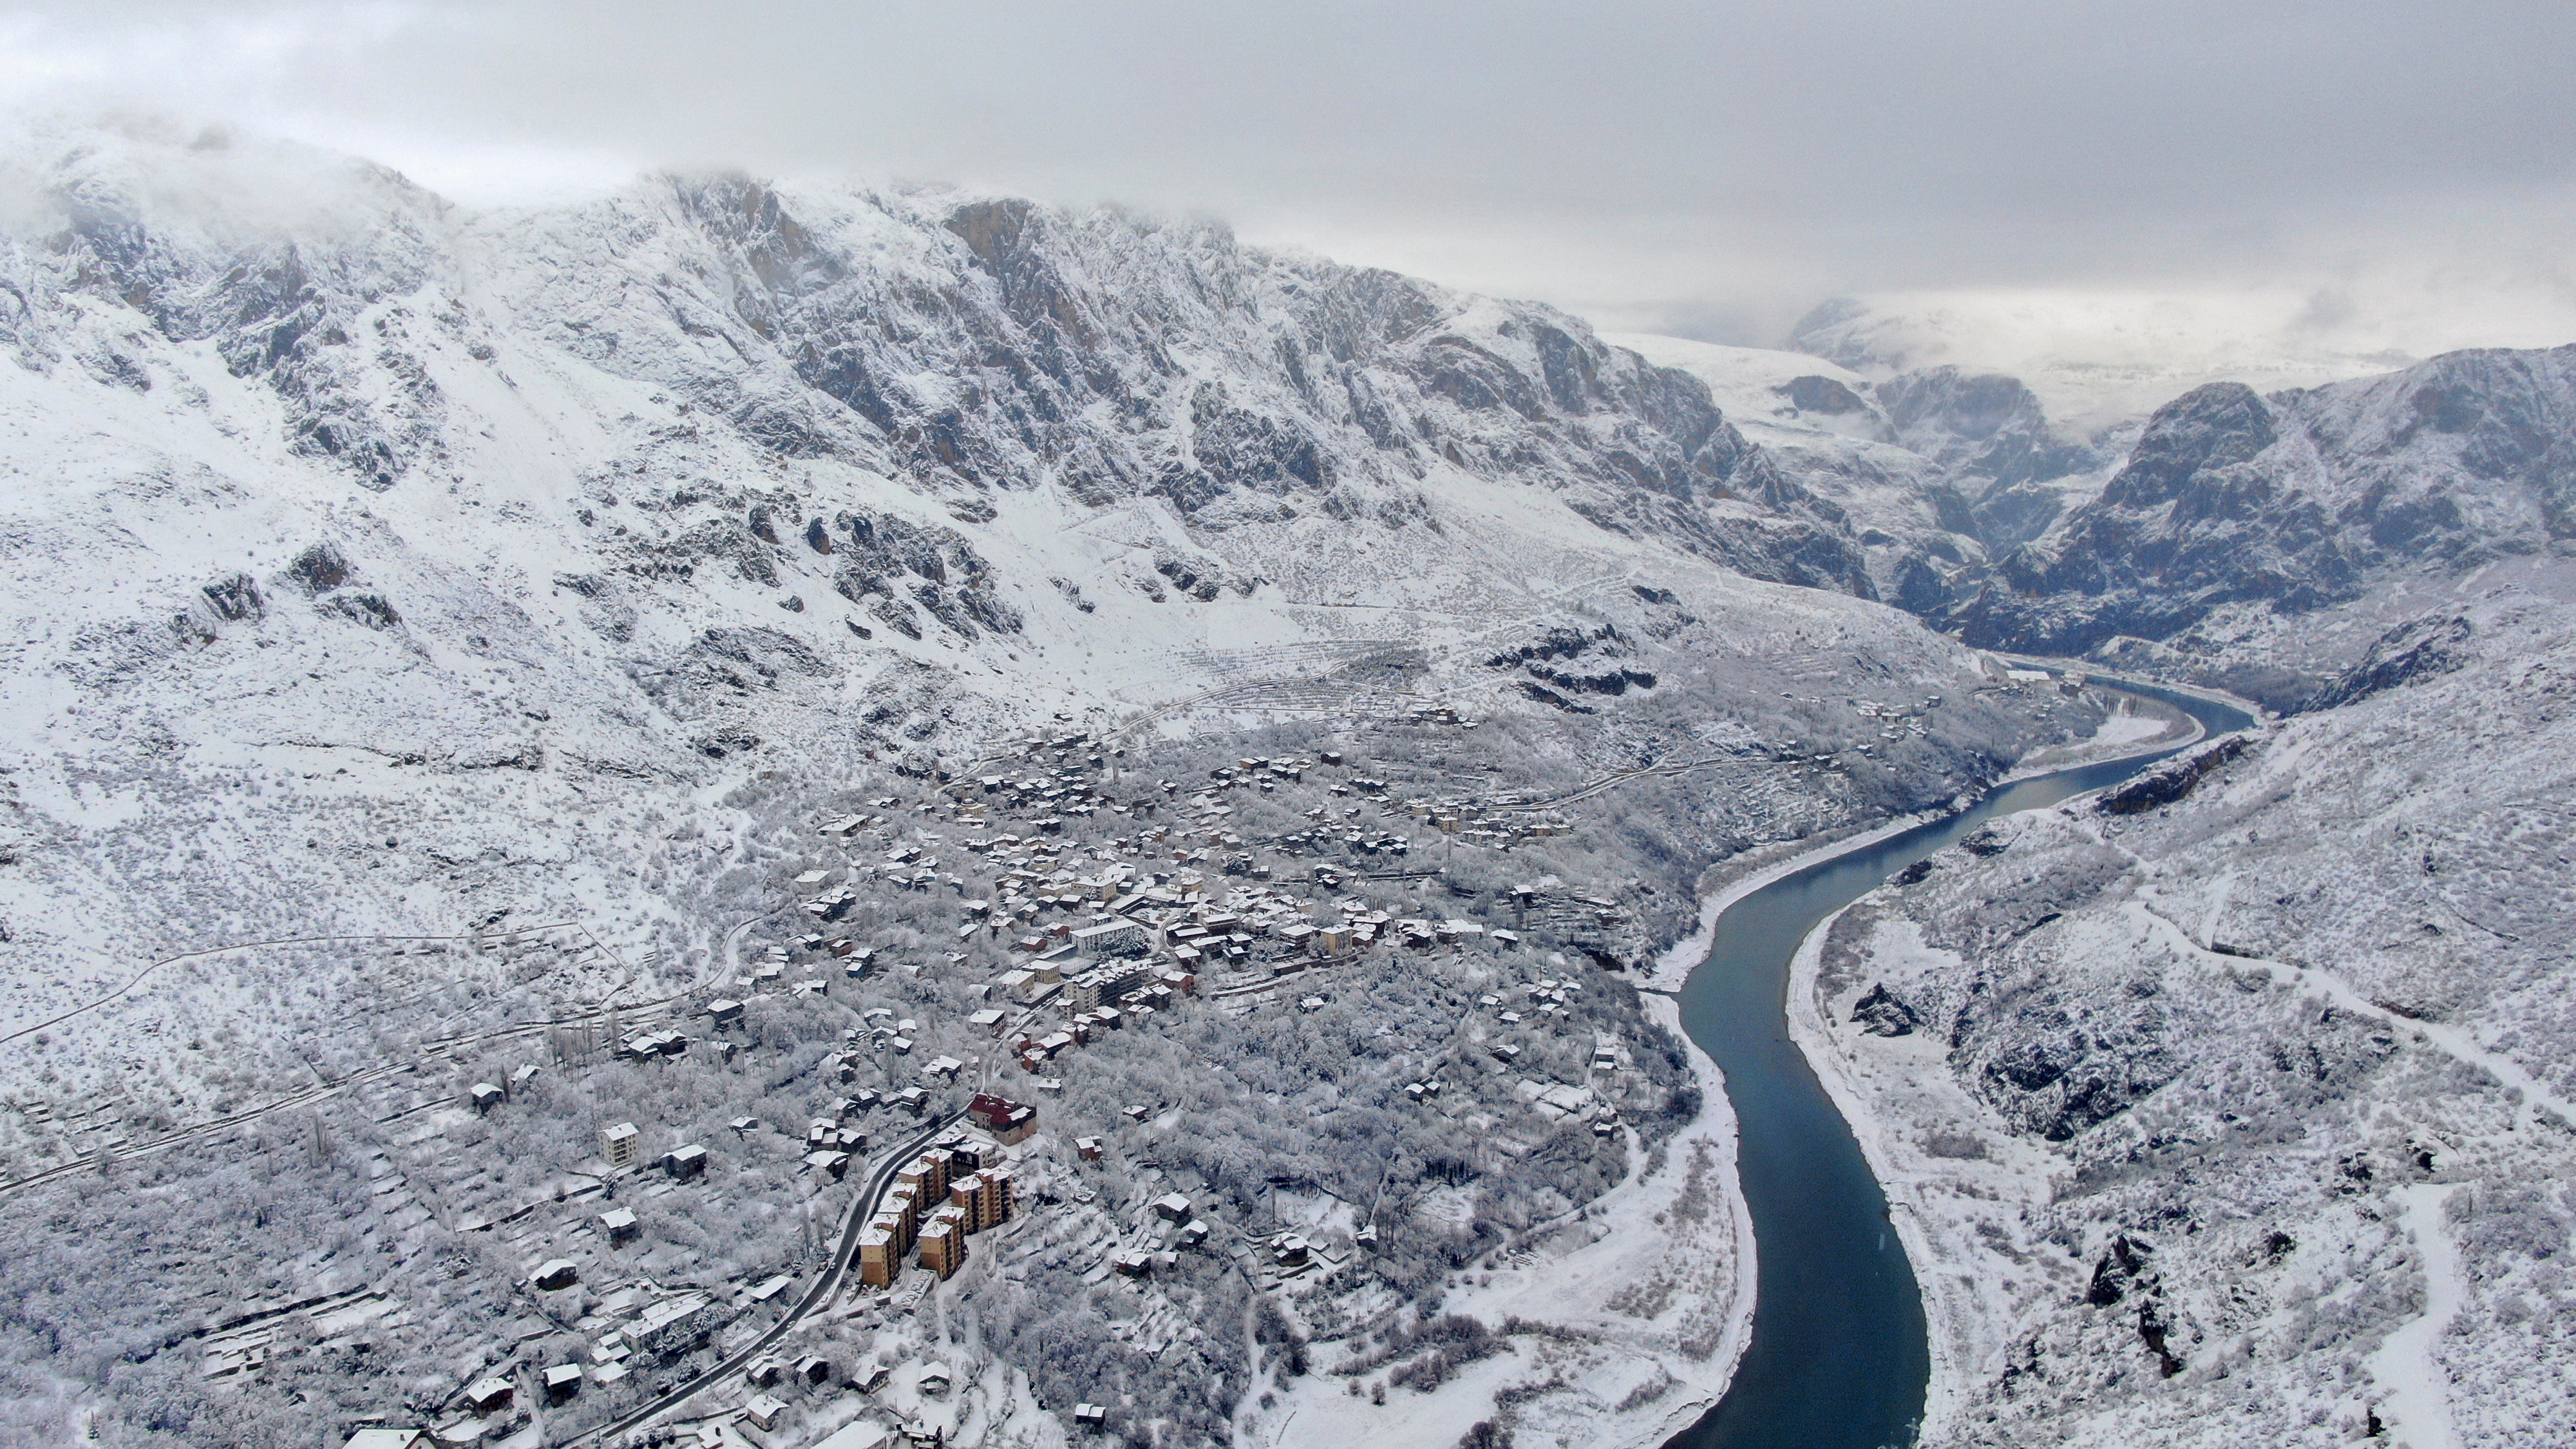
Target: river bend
[1839,1357]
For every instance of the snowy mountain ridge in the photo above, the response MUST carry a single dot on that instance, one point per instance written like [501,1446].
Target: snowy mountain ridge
[568,523]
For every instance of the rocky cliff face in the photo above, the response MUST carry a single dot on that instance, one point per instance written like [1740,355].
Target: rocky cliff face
[1997,450]
[966,346]
[2298,501]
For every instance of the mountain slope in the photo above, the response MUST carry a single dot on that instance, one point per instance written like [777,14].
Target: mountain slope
[2299,501]
[2232,1108]
[412,565]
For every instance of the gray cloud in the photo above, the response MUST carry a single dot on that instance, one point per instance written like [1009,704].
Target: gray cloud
[1705,167]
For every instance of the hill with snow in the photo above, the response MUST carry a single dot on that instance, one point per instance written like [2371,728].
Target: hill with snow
[374,566]
[2234,1105]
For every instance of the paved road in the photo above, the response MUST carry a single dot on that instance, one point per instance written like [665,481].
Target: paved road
[826,1287]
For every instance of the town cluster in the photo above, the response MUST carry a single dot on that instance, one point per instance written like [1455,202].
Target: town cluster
[1067,899]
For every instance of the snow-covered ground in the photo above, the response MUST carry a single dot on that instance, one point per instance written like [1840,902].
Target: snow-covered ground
[1646,1297]
[2243,1118]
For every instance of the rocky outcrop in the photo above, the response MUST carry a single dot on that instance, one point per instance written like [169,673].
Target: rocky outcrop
[1989,433]
[2173,779]
[2297,501]
[1880,1013]
[2404,655]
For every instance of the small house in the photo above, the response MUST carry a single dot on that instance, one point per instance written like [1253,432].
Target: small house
[618,1224]
[562,1382]
[555,1275]
[488,1396]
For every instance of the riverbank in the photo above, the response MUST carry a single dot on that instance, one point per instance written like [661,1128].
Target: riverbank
[1898,1101]
[1731,880]
[1840,1194]
[1962,1187]
[1740,875]
[2142,725]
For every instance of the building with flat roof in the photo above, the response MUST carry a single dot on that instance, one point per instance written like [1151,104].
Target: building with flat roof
[880,1254]
[987,1197]
[943,1243]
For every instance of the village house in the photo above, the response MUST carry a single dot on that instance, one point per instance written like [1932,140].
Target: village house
[488,1396]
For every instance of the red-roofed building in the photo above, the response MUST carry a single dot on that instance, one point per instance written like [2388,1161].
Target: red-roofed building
[1007,1120]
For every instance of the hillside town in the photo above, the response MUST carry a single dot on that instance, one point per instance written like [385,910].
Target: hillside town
[924,1086]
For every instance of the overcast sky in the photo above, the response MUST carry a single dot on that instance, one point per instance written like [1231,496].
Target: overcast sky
[2378,174]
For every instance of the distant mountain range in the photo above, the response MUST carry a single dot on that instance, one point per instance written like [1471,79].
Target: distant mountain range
[968,350]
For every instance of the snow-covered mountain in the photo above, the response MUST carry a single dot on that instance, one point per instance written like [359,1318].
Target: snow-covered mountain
[2099,359]
[2302,499]
[408,564]
[2234,1107]
[1938,471]
[2257,540]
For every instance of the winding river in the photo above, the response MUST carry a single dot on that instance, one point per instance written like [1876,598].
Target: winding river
[1839,1357]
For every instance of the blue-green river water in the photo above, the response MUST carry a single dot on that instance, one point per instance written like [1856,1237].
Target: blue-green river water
[1838,1358]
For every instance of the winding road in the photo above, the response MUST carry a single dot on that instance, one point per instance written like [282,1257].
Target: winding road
[827,1285]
